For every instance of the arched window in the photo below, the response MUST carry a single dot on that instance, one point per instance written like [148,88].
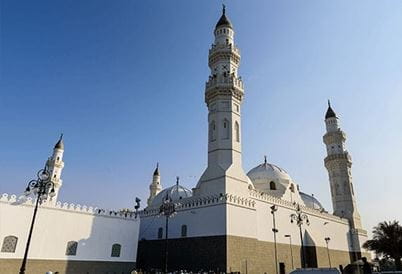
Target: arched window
[292,187]
[116,248]
[237,131]
[71,249]
[226,129]
[212,131]
[184,231]
[9,244]
[272,185]
[160,233]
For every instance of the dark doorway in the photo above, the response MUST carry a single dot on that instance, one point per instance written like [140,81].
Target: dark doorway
[282,268]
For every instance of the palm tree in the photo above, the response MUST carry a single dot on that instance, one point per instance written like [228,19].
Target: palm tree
[387,241]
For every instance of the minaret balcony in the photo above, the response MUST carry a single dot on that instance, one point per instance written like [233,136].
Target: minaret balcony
[229,47]
[224,82]
[339,156]
[225,52]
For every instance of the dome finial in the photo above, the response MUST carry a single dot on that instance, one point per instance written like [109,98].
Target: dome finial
[265,159]
[177,180]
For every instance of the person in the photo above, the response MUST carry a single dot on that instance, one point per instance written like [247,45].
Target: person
[366,266]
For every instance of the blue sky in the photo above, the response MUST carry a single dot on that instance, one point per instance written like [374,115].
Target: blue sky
[124,81]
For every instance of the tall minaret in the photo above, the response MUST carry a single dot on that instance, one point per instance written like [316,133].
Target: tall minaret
[55,165]
[338,163]
[155,187]
[223,96]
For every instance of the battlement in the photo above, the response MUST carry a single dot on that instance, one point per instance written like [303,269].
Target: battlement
[204,201]
[264,197]
[71,207]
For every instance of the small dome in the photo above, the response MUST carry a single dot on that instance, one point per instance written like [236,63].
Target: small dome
[224,21]
[175,193]
[310,201]
[268,172]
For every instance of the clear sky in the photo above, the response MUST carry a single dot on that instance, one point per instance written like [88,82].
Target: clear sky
[124,81]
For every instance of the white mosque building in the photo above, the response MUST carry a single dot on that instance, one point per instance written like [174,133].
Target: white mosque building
[226,222]
[231,221]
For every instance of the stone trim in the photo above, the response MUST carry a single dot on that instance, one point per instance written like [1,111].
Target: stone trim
[73,208]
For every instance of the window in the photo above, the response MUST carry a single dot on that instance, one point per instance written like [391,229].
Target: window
[272,185]
[226,129]
[237,132]
[292,188]
[160,233]
[184,231]
[212,132]
[116,248]
[9,244]
[71,249]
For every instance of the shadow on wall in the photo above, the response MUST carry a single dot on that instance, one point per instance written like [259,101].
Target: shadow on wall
[105,247]
[310,251]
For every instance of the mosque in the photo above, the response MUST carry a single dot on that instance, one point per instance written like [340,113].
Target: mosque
[254,222]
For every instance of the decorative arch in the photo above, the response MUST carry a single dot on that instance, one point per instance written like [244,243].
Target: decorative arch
[226,129]
[9,244]
[212,131]
[116,249]
[237,131]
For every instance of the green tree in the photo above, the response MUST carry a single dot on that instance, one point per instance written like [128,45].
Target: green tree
[387,241]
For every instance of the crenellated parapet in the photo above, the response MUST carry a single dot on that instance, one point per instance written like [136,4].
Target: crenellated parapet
[14,200]
[196,202]
[266,198]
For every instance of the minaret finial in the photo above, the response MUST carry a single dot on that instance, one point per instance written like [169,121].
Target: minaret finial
[223,9]
[329,103]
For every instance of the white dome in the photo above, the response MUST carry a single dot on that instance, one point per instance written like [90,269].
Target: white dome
[267,172]
[310,201]
[175,193]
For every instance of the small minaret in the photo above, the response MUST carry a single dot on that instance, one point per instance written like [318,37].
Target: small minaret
[339,163]
[155,187]
[55,165]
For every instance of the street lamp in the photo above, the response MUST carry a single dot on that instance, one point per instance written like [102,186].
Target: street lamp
[42,188]
[300,218]
[274,208]
[327,239]
[167,209]
[290,246]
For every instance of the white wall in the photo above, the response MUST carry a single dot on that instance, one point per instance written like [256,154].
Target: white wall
[58,224]
[201,221]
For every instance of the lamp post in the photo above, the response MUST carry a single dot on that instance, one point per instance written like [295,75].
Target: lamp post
[42,188]
[290,246]
[274,208]
[167,209]
[300,218]
[327,239]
